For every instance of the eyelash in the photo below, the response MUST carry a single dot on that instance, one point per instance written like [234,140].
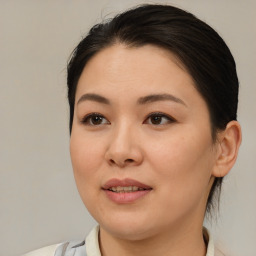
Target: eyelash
[87,120]
[161,115]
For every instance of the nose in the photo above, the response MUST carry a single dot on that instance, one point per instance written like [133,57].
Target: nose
[124,149]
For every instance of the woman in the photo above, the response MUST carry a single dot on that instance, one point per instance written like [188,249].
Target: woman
[153,101]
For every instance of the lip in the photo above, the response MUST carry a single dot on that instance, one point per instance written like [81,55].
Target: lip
[125,197]
[124,183]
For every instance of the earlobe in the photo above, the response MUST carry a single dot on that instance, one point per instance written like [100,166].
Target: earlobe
[229,141]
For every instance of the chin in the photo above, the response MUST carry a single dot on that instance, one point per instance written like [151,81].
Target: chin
[133,228]
[126,232]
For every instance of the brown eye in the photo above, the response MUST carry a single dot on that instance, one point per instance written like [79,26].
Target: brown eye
[156,119]
[159,119]
[94,120]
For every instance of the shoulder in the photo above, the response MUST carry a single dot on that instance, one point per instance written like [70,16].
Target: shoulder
[45,251]
[68,248]
[71,248]
[74,248]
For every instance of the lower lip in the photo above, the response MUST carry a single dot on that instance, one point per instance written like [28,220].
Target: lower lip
[125,198]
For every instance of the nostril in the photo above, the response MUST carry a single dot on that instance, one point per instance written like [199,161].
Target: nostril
[129,160]
[112,161]
[121,163]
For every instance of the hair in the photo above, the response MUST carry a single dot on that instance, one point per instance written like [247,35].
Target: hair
[197,46]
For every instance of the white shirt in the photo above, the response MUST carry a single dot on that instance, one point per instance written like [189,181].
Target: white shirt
[92,247]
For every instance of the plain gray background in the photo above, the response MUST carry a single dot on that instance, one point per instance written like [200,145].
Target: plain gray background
[38,197]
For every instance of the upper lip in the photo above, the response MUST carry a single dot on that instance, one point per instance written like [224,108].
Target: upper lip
[124,183]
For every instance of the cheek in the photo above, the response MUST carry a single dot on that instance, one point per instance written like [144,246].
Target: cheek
[181,150]
[171,156]
[87,156]
[182,166]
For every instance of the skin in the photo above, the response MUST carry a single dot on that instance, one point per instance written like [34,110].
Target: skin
[175,157]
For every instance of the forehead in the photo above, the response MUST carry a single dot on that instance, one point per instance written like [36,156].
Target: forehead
[133,67]
[117,53]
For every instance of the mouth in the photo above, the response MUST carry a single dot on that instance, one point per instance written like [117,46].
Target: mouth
[129,189]
[125,191]
[125,186]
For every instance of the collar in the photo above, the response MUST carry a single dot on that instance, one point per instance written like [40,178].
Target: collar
[209,239]
[93,249]
[92,242]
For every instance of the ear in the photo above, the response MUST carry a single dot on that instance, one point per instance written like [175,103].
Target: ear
[228,142]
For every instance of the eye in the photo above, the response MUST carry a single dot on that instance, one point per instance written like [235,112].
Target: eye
[94,119]
[159,119]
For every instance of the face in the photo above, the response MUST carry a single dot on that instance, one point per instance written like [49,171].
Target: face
[141,144]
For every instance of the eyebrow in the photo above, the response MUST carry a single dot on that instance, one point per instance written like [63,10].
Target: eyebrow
[93,97]
[141,101]
[160,97]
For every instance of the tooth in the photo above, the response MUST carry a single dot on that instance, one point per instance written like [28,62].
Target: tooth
[120,189]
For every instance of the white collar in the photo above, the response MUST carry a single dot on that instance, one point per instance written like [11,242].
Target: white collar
[210,246]
[92,242]
[93,248]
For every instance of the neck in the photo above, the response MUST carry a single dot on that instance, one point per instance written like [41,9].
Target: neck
[175,242]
